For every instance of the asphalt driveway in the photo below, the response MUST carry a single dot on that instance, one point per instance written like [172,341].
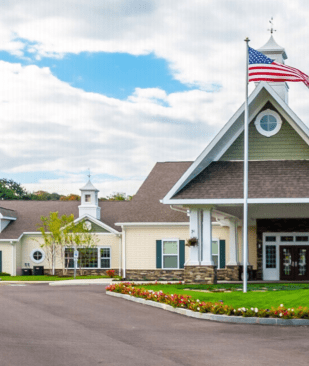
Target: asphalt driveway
[80,325]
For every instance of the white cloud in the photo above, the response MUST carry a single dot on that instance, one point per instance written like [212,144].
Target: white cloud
[48,125]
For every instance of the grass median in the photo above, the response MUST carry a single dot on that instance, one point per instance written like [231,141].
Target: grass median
[260,296]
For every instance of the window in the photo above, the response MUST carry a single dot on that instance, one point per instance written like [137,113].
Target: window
[215,252]
[170,254]
[105,256]
[268,123]
[88,257]
[87,198]
[37,255]
[271,257]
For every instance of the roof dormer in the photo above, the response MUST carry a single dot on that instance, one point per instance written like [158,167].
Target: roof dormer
[89,201]
[6,216]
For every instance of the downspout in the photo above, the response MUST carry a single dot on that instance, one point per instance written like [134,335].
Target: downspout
[123,251]
[120,256]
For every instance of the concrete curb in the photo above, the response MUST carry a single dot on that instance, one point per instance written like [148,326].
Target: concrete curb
[214,317]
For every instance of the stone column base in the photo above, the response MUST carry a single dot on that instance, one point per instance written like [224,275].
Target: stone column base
[200,274]
[232,273]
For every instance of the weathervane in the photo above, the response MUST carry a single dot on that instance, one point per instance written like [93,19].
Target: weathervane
[89,175]
[272,30]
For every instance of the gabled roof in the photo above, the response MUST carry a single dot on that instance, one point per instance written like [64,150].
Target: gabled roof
[5,213]
[145,206]
[224,179]
[233,128]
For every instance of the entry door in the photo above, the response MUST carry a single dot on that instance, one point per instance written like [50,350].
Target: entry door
[294,263]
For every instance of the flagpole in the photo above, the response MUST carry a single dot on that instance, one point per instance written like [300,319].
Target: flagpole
[246,146]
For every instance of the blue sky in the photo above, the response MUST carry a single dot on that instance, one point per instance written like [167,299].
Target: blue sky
[117,85]
[112,74]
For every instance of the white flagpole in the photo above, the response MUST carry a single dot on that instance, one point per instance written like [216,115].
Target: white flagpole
[246,153]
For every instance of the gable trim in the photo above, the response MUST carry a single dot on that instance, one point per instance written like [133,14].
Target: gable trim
[208,156]
[97,222]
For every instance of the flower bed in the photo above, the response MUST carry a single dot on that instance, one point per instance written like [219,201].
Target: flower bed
[186,302]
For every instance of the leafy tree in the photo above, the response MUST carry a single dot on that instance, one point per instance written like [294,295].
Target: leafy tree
[59,232]
[117,196]
[10,190]
[70,197]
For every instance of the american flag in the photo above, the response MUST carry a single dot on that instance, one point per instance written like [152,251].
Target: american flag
[262,68]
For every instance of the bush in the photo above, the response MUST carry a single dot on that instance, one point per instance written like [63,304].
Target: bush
[111,273]
[4,274]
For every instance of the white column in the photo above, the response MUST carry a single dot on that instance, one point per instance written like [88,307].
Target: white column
[233,243]
[207,238]
[194,232]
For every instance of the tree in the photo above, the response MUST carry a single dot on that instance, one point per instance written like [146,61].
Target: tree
[70,197]
[10,190]
[117,196]
[59,232]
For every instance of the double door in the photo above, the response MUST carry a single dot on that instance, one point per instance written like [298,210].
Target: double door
[294,262]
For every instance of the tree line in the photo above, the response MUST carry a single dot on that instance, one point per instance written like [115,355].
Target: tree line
[10,190]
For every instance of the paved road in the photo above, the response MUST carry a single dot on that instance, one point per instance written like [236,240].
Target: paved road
[80,325]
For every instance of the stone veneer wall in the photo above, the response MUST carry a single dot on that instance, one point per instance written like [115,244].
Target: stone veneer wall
[85,272]
[200,274]
[276,226]
[154,274]
[230,273]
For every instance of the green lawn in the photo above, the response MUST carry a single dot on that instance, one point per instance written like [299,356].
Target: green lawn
[47,278]
[289,295]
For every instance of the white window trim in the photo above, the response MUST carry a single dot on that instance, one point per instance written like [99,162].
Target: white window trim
[266,113]
[98,257]
[162,255]
[217,240]
[110,256]
[278,243]
[35,260]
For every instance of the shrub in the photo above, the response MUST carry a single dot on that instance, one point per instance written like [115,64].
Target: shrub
[111,273]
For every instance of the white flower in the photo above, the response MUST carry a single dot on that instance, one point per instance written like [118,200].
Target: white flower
[198,300]
[292,309]
[252,309]
[281,305]
[198,308]
[280,314]
[256,310]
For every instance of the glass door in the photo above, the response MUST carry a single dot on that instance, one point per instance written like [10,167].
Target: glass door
[294,263]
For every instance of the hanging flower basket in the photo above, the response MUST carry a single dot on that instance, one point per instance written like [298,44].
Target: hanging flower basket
[192,242]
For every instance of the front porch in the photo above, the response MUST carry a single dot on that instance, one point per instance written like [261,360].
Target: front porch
[278,247]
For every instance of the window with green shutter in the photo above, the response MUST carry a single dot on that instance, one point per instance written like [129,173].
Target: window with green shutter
[218,252]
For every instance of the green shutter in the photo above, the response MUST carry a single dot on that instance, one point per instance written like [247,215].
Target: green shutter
[159,253]
[181,253]
[0,261]
[222,253]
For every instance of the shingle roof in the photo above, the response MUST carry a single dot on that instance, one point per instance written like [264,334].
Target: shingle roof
[8,213]
[145,206]
[267,179]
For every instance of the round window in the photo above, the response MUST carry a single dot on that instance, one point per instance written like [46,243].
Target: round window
[37,255]
[268,123]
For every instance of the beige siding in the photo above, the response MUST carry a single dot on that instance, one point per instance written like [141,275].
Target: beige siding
[7,254]
[141,244]
[285,145]
[29,243]
[18,259]
[223,233]
[252,240]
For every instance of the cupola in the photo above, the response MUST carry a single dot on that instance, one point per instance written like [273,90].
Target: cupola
[89,201]
[272,50]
